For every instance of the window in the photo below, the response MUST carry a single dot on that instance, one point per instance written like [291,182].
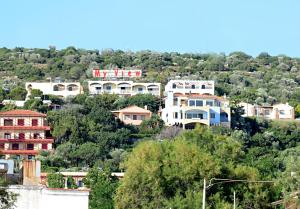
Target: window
[98,88]
[281,112]
[8,122]
[44,146]
[21,136]
[123,88]
[7,136]
[174,86]
[34,122]
[193,86]
[55,88]
[127,117]
[175,101]
[20,122]
[15,146]
[30,157]
[267,112]
[191,103]
[30,146]
[108,87]
[80,184]
[176,115]
[212,115]
[202,86]
[36,135]
[209,103]
[141,89]
[134,117]
[199,103]
[142,117]
[2,146]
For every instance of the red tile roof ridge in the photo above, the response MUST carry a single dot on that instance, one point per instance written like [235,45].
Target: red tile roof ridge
[25,113]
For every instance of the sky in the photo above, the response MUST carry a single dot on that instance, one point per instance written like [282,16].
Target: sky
[193,26]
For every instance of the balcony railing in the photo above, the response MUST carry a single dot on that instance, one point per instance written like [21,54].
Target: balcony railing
[19,152]
[28,127]
[30,140]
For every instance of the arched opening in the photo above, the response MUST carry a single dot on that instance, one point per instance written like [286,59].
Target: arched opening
[139,89]
[124,88]
[97,87]
[58,87]
[72,87]
[224,117]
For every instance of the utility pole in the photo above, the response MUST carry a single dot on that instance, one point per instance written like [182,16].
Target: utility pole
[233,199]
[204,193]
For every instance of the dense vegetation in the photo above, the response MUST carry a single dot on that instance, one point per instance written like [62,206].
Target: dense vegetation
[165,167]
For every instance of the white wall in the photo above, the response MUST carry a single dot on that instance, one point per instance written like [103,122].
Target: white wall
[38,197]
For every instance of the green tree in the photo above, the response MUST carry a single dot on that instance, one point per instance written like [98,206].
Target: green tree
[7,199]
[55,180]
[159,174]
[17,93]
[103,188]
[36,93]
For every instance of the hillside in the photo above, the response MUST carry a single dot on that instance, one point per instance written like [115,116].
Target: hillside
[261,79]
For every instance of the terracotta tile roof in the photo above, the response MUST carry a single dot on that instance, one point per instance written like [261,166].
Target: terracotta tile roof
[202,96]
[24,113]
[133,109]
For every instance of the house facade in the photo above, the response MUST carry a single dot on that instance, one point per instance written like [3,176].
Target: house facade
[24,133]
[61,89]
[188,103]
[273,112]
[123,88]
[133,115]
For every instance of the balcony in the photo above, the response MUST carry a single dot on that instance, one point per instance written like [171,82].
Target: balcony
[19,152]
[29,127]
[31,140]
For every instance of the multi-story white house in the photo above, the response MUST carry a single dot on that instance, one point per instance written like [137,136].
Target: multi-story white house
[190,102]
[275,112]
[60,89]
[123,88]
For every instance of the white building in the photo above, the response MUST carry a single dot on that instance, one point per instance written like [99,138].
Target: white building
[275,112]
[190,102]
[55,88]
[123,88]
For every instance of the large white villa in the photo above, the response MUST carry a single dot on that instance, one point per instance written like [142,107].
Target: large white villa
[188,103]
[61,89]
[123,88]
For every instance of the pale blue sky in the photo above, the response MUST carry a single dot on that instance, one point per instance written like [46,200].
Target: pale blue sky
[160,25]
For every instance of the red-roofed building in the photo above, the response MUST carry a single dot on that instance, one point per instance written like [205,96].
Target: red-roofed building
[133,115]
[24,133]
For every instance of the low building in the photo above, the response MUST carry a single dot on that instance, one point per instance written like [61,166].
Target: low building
[61,89]
[188,103]
[24,133]
[123,88]
[40,197]
[133,115]
[17,103]
[273,112]
[190,86]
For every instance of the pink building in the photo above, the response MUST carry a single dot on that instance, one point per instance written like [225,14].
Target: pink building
[133,115]
[24,133]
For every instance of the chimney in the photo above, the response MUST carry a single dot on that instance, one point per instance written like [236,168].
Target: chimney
[146,107]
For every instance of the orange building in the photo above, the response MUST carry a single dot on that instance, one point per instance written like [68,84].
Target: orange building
[133,115]
[24,133]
